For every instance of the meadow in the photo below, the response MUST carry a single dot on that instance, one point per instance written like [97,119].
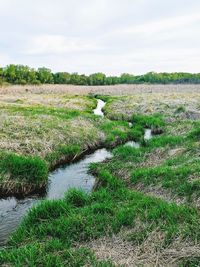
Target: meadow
[144,210]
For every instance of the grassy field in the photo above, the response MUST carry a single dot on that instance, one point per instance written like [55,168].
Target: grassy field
[145,210]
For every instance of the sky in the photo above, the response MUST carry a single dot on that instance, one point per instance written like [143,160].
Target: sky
[110,36]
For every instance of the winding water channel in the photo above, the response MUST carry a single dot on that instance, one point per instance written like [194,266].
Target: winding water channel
[12,210]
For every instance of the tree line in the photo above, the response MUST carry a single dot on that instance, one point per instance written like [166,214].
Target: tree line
[20,74]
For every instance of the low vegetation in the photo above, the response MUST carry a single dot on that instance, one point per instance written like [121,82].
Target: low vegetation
[145,209]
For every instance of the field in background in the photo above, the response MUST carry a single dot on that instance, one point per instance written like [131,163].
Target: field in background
[110,90]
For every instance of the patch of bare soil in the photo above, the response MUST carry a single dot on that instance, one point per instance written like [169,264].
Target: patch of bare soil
[151,252]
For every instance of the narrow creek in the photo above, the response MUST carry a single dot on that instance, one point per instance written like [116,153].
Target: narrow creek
[12,210]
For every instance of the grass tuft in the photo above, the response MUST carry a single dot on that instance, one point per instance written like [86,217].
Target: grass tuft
[32,169]
[76,198]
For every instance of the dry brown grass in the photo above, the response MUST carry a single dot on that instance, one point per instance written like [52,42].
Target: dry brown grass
[47,100]
[143,99]
[108,90]
[39,134]
[185,105]
[150,253]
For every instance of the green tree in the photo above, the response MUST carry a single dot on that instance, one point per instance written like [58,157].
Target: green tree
[44,75]
[97,79]
[62,78]
[1,75]
[127,78]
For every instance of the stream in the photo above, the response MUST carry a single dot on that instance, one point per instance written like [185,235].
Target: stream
[75,175]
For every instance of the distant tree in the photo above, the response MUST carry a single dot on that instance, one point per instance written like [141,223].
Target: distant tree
[83,80]
[1,75]
[62,78]
[44,75]
[127,78]
[10,73]
[97,79]
[20,74]
[111,80]
[75,78]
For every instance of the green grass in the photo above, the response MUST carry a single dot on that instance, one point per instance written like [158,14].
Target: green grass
[176,173]
[52,253]
[194,262]
[175,179]
[20,174]
[151,121]
[32,169]
[61,113]
[194,134]
[65,152]
[162,141]
[180,109]
[54,226]
[115,130]
[120,130]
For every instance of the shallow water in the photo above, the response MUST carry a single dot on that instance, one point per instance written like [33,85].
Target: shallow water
[148,134]
[75,175]
[12,211]
[98,110]
[133,144]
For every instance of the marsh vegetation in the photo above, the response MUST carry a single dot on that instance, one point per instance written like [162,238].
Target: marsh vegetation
[144,210]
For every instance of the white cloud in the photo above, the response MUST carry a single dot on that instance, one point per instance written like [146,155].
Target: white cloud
[58,44]
[112,36]
[163,24]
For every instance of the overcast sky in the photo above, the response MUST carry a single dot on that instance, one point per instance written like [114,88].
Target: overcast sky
[110,36]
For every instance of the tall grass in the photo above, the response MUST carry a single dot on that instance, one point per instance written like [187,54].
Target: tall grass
[32,169]
[176,179]
[151,121]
